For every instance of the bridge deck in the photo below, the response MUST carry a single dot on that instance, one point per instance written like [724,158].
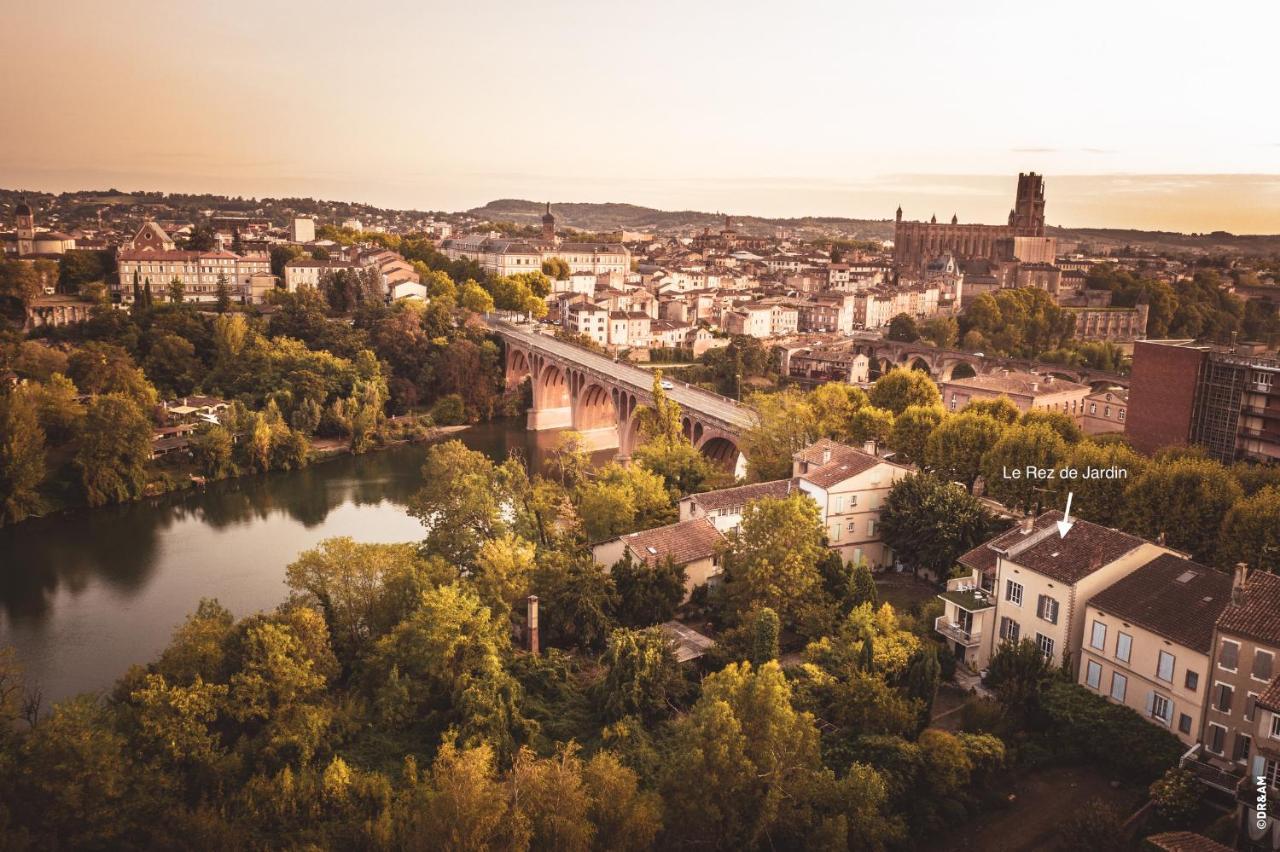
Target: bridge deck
[733,414]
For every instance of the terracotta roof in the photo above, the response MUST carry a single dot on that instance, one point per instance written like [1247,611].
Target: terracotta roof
[1270,697]
[1085,549]
[835,462]
[1022,384]
[176,254]
[683,543]
[1257,616]
[726,498]
[1172,597]
[1185,841]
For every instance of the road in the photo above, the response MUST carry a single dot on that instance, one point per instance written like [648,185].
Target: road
[733,414]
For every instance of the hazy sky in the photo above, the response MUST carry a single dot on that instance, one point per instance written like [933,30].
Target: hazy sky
[1141,114]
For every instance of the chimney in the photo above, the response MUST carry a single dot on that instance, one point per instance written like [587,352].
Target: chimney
[1035,386]
[1048,380]
[869,447]
[533,625]
[826,455]
[1160,538]
[1004,371]
[1028,523]
[1239,581]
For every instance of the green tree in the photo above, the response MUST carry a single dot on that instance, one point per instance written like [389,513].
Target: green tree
[22,458]
[899,389]
[556,267]
[114,449]
[1020,447]
[58,407]
[212,450]
[1001,409]
[1177,797]
[176,290]
[1060,422]
[622,500]
[641,674]
[224,294]
[474,298]
[911,431]
[920,682]
[786,424]
[942,332]
[459,502]
[763,629]
[833,405]
[1017,674]
[871,424]
[930,522]
[773,557]
[648,593]
[956,448]
[1251,532]
[1184,499]
[902,327]
[1098,499]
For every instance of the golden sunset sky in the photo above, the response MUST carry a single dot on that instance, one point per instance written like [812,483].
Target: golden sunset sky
[1141,114]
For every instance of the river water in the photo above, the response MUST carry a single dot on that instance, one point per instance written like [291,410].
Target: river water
[85,594]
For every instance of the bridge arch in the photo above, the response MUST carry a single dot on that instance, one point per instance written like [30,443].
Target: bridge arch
[721,450]
[957,369]
[594,409]
[551,388]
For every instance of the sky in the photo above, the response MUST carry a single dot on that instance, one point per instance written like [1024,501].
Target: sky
[1158,115]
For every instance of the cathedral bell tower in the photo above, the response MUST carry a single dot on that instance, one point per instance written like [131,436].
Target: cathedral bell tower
[25,225]
[548,225]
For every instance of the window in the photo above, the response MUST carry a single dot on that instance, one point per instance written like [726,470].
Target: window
[1240,751]
[1122,414]
[1047,608]
[1119,683]
[1099,638]
[1275,727]
[1164,667]
[1009,629]
[1159,707]
[1262,664]
[1045,644]
[1192,680]
[871,527]
[1250,705]
[1222,700]
[1124,646]
[1013,592]
[1093,674]
[1184,723]
[1106,411]
[1217,738]
[1093,408]
[1229,655]
[1271,769]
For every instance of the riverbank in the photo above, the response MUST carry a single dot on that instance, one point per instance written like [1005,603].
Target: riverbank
[170,475]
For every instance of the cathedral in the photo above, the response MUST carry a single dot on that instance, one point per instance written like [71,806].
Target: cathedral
[915,244]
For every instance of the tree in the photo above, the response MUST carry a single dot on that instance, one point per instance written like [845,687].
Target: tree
[459,501]
[786,424]
[763,628]
[1001,409]
[363,590]
[212,450]
[58,407]
[920,682]
[871,424]
[101,368]
[474,298]
[930,522]
[834,404]
[622,500]
[114,449]
[641,674]
[172,365]
[1251,532]
[902,327]
[176,290]
[556,267]
[942,332]
[956,448]
[578,601]
[1060,422]
[648,592]
[899,389]
[463,805]
[1176,796]
[911,431]
[224,294]
[626,818]
[1184,499]
[1016,674]
[863,585]
[1099,499]
[773,557]
[504,572]
[1019,448]
[22,458]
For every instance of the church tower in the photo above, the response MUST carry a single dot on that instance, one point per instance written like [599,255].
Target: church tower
[548,225]
[1028,210]
[25,225]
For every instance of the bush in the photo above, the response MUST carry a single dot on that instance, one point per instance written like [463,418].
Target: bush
[449,411]
[1096,827]
[1078,723]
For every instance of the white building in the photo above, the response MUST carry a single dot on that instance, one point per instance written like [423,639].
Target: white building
[152,259]
[302,229]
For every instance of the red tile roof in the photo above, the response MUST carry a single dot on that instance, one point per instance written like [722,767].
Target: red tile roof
[1257,615]
[685,542]
[726,498]
[1172,597]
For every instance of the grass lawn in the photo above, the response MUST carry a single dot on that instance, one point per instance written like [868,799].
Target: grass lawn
[901,591]
[1042,799]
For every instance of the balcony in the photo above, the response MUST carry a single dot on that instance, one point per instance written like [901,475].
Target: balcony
[1212,771]
[967,595]
[956,632]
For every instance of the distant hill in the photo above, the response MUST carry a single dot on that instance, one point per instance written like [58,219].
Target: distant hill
[632,217]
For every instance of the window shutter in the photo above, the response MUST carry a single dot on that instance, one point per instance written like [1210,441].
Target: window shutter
[1040,607]
[1259,765]
[1151,703]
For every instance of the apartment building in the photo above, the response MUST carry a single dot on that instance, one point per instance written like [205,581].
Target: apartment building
[1225,399]
[850,487]
[1027,391]
[152,259]
[1033,583]
[724,506]
[307,273]
[1148,641]
[1239,734]
[692,544]
[1105,411]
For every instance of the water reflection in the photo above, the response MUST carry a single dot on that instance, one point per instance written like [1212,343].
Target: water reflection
[84,594]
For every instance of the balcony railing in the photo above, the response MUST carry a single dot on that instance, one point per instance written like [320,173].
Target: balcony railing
[955,631]
[1210,771]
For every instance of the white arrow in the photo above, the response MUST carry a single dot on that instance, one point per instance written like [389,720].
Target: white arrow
[1064,525]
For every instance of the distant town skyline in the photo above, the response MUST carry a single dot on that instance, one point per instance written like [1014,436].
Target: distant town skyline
[1138,120]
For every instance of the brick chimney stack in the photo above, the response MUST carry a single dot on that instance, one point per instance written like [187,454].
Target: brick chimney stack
[533,625]
[1239,581]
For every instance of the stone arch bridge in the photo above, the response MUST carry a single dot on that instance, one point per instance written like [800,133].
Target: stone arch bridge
[575,388]
[946,364]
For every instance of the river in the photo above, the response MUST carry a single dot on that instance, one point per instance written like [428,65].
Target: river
[87,593]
